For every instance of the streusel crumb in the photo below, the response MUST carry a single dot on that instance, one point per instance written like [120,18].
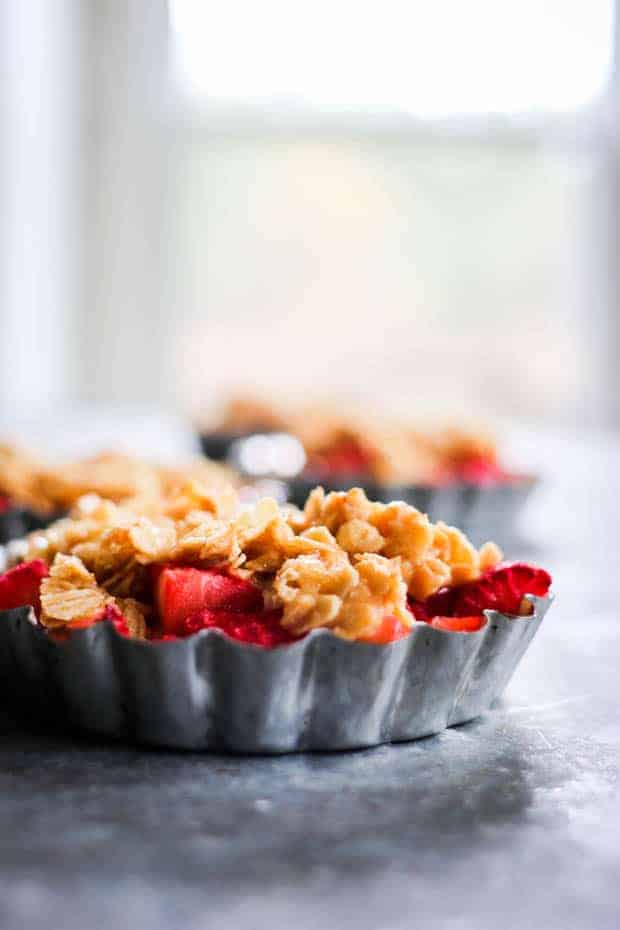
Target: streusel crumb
[70,593]
[147,488]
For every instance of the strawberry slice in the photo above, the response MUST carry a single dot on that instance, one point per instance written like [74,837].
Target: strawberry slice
[458,624]
[502,588]
[5,504]
[19,586]
[345,457]
[261,629]
[182,592]
[390,630]
[481,472]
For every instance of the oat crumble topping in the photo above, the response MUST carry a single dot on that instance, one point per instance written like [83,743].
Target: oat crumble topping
[46,489]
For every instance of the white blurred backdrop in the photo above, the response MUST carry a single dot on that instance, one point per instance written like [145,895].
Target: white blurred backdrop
[412,203]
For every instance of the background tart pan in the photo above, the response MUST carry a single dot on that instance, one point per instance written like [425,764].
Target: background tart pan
[16,522]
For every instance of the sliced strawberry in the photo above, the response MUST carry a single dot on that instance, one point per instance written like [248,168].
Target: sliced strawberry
[458,624]
[19,586]
[262,629]
[345,457]
[182,592]
[502,588]
[480,471]
[5,504]
[390,630]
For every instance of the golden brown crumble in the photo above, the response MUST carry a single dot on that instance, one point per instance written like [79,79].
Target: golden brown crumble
[432,555]
[343,562]
[45,488]
[17,470]
[70,593]
[246,413]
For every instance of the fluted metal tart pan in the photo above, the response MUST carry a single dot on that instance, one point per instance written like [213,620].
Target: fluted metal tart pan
[209,692]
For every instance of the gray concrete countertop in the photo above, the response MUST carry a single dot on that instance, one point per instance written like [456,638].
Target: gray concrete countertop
[509,821]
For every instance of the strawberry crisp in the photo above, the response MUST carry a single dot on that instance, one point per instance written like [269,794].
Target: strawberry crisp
[267,575]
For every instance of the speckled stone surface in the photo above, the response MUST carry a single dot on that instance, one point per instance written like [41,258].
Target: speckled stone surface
[510,821]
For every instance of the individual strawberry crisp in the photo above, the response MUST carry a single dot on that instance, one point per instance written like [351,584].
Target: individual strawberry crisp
[268,576]
[342,445]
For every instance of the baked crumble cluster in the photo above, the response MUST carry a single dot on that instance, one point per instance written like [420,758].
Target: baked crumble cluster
[244,413]
[27,481]
[344,563]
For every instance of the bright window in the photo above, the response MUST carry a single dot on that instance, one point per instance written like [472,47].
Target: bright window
[425,270]
[430,58]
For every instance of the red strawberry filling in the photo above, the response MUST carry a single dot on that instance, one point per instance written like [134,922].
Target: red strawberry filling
[19,586]
[502,588]
[480,471]
[193,599]
[345,457]
[182,592]
[5,504]
[260,629]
